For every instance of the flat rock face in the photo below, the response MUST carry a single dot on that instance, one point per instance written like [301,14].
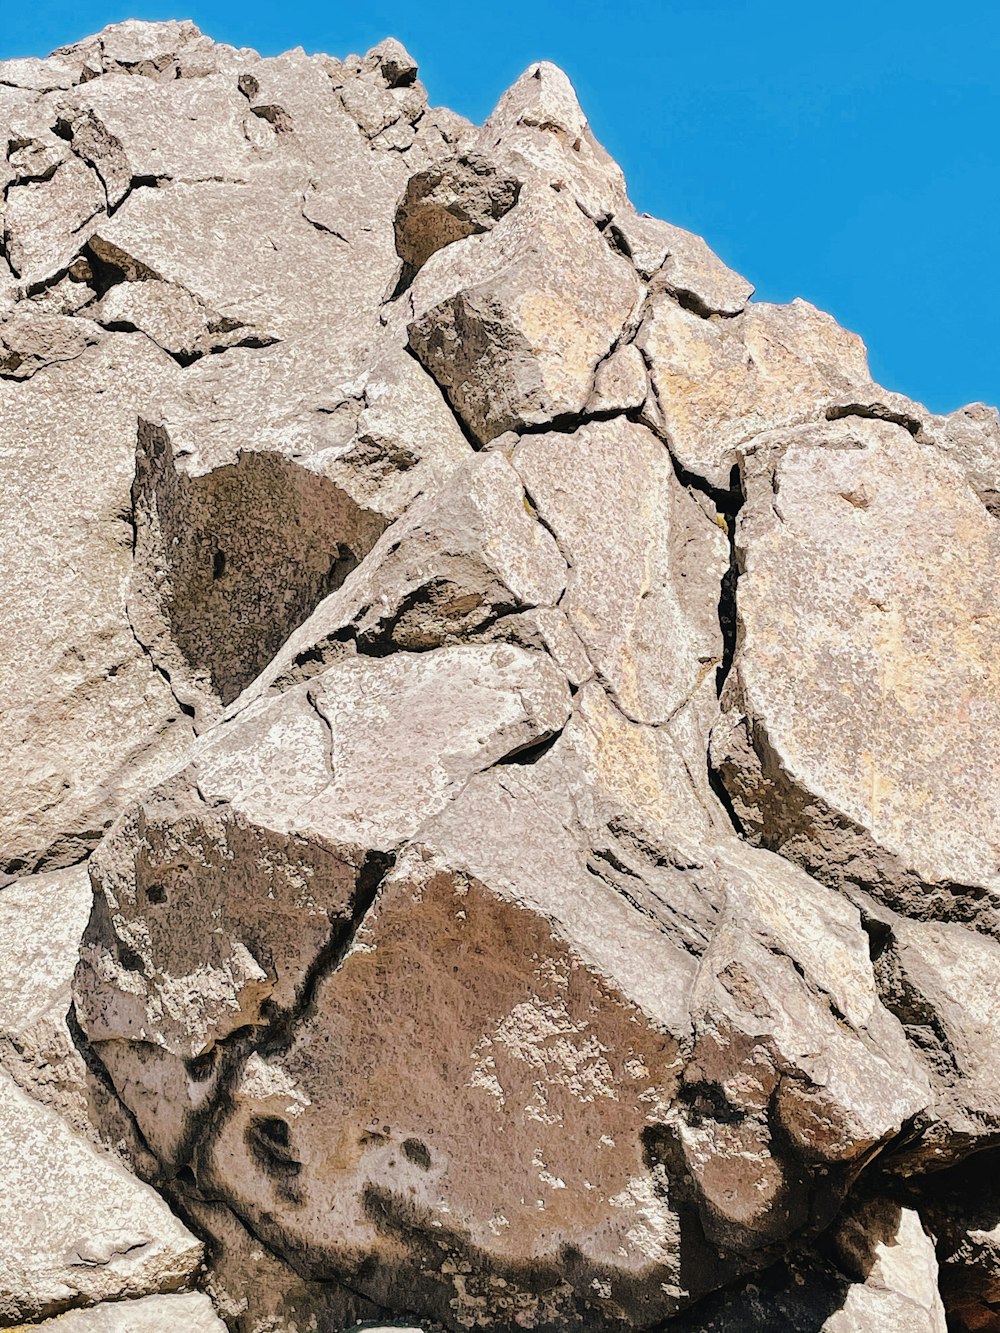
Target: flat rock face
[42,918]
[643,583]
[858,720]
[499,803]
[106,722]
[77,1228]
[191,1312]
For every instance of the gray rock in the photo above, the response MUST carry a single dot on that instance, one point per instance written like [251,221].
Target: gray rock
[961,1208]
[550,859]
[29,343]
[254,1290]
[77,1228]
[454,199]
[46,223]
[184,1313]
[459,559]
[858,715]
[942,981]
[539,127]
[42,918]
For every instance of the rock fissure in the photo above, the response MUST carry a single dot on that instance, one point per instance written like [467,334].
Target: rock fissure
[530,748]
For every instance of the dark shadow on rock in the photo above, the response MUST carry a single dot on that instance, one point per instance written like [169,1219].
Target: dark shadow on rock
[961,1209]
[229,563]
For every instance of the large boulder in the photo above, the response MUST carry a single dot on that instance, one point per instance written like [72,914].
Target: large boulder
[859,714]
[77,1228]
[517,712]
[628,1135]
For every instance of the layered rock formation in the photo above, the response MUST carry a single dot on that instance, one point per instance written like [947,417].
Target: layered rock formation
[517,714]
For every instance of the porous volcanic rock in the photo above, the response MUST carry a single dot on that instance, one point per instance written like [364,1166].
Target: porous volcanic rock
[500,817]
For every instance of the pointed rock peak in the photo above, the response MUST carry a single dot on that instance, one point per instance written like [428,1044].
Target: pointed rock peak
[542,98]
[393,62]
[540,123]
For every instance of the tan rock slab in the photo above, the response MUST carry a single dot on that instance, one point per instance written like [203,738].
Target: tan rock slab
[190,1312]
[717,383]
[77,1228]
[859,716]
[42,920]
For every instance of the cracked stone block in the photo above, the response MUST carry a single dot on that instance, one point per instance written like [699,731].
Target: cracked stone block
[78,1229]
[716,384]
[459,560]
[524,710]
[43,918]
[228,563]
[879,1275]
[680,263]
[30,342]
[942,981]
[458,198]
[961,1209]
[644,582]
[858,717]
[514,323]
[538,126]
[104,723]
[187,130]
[517,851]
[47,223]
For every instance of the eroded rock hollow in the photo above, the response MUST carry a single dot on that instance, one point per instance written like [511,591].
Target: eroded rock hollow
[500,806]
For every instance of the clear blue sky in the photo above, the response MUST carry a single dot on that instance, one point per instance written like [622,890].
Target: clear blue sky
[846,152]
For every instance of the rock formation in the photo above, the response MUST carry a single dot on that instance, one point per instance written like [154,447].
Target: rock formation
[501,821]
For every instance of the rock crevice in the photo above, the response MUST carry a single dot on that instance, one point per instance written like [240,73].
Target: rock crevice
[526,708]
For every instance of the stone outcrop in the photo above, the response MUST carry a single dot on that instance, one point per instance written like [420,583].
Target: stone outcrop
[77,1228]
[500,819]
[191,1312]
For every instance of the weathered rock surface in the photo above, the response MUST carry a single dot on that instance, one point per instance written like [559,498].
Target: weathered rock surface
[77,1228]
[857,736]
[510,717]
[106,722]
[877,1274]
[191,1312]
[963,1213]
[513,324]
[42,918]
[718,383]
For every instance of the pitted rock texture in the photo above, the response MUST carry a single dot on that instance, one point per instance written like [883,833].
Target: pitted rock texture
[500,821]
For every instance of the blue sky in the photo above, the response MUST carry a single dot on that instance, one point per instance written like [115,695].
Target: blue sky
[848,153]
